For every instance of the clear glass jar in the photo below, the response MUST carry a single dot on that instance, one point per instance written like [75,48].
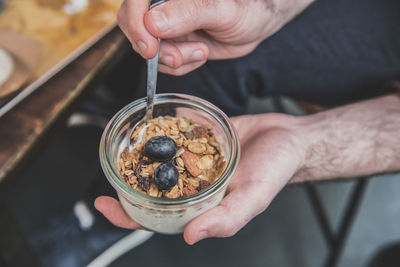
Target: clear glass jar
[165,215]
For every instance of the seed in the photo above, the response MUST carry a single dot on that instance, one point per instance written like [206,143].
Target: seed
[196,148]
[205,162]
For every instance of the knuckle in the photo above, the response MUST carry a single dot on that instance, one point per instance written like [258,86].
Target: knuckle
[205,3]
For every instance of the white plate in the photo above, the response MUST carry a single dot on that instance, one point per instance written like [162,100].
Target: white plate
[6,66]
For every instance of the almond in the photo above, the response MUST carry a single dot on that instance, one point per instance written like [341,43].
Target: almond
[190,161]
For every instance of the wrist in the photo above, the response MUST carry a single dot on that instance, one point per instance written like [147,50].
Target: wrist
[356,140]
[311,132]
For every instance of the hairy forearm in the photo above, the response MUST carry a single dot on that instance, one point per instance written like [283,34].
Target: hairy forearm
[351,141]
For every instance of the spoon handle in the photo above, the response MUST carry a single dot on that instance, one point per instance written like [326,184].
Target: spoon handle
[152,65]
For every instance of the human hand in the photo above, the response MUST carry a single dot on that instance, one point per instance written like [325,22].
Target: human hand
[271,154]
[196,30]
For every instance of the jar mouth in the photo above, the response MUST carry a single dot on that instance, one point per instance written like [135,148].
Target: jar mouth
[120,118]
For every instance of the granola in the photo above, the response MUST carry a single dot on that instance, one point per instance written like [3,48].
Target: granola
[197,158]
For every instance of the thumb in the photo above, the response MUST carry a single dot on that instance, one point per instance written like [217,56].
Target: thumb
[176,18]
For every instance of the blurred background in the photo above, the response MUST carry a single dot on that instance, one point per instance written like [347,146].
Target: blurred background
[47,216]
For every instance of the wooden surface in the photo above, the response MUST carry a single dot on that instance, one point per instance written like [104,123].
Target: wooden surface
[58,32]
[24,126]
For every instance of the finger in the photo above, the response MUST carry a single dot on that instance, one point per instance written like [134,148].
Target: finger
[113,211]
[235,211]
[176,18]
[175,55]
[130,20]
[182,70]
[265,168]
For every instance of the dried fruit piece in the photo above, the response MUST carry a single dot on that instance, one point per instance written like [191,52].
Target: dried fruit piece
[203,184]
[189,191]
[138,168]
[190,161]
[144,183]
[199,132]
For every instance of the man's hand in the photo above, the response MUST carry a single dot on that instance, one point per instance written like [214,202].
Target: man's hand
[196,30]
[270,157]
[354,140]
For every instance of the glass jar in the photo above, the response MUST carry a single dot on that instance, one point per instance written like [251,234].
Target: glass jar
[166,215]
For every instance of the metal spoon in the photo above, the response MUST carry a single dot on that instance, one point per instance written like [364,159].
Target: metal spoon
[152,65]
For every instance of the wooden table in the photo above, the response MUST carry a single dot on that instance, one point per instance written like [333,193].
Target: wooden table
[24,126]
[30,122]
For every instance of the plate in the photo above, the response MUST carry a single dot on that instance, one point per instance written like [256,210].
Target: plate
[25,53]
[6,66]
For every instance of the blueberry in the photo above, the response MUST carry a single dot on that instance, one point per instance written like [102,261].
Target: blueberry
[160,148]
[166,176]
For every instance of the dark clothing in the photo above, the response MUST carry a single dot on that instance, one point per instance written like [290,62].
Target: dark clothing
[333,53]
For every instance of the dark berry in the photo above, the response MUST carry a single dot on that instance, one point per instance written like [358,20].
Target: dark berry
[160,148]
[144,183]
[166,176]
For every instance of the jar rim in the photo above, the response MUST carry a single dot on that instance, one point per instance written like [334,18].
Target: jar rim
[113,176]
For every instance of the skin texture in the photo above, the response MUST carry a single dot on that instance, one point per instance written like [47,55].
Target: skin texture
[350,141]
[277,149]
[193,31]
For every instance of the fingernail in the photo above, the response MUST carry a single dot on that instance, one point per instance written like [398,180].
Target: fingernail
[198,55]
[160,20]
[167,60]
[202,235]
[142,46]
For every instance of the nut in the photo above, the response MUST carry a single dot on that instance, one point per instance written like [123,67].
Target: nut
[197,148]
[183,124]
[205,162]
[199,153]
[190,161]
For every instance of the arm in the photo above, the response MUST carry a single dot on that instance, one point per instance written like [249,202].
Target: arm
[356,140]
[350,141]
